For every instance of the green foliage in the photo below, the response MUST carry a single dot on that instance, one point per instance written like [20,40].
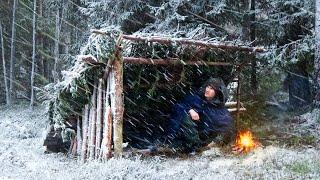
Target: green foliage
[302,168]
[297,140]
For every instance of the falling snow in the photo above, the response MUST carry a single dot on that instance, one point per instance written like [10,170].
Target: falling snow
[22,157]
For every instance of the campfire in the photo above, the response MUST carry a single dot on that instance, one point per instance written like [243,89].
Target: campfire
[244,142]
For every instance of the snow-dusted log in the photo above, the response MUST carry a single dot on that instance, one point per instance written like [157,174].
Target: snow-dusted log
[192,42]
[171,61]
[118,116]
[185,41]
[168,61]
[93,118]
[107,125]
[109,133]
[99,118]
[79,135]
[85,126]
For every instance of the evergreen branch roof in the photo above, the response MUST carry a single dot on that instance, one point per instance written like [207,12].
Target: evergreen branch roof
[70,95]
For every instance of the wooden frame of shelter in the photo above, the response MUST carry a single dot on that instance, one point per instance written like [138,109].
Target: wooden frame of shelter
[100,128]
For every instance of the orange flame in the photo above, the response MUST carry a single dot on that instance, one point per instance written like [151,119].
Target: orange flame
[245,141]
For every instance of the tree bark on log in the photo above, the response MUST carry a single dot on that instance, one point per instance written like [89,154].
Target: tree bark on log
[93,118]
[168,61]
[171,61]
[109,135]
[79,135]
[99,118]
[107,127]
[118,96]
[85,128]
[185,41]
[192,42]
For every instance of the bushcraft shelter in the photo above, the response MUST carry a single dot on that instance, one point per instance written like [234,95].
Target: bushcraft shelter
[115,79]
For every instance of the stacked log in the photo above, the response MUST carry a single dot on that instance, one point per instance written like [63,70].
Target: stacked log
[97,125]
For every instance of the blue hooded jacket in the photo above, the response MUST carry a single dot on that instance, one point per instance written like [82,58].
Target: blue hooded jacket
[214,117]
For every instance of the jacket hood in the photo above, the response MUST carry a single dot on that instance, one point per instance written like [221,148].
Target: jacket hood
[221,91]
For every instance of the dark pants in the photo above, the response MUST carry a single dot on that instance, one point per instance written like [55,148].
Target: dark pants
[191,136]
[186,138]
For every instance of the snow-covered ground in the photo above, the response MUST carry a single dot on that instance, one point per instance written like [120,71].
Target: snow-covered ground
[22,157]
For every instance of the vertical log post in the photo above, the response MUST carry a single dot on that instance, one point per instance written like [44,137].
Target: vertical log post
[93,118]
[118,116]
[108,124]
[79,135]
[103,154]
[99,118]
[85,128]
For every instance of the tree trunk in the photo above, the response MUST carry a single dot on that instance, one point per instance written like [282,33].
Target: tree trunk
[246,20]
[32,98]
[317,55]
[5,77]
[56,47]
[254,82]
[118,105]
[40,41]
[12,53]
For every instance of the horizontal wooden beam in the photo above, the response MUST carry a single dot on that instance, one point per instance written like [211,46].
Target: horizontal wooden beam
[235,109]
[230,104]
[171,61]
[193,42]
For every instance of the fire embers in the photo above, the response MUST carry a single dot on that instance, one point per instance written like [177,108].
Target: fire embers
[244,142]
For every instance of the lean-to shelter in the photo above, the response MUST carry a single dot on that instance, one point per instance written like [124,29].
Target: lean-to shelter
[123,85]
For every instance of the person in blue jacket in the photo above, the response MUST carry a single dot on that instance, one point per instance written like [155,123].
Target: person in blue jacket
[201,118]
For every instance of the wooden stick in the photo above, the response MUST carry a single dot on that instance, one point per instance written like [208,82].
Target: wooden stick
[187,42]
[236,109]
[85,129]
[168,61]
[230,104]
[74,146]
[107,125]
[107,142]
[103,123]
[89,129]
[79,135]
[112,104]
[116,54]
[99,118]
[97,31]
[118,116]
[108,120]
[93,122]
[171,61]
[109,136]
[192,42]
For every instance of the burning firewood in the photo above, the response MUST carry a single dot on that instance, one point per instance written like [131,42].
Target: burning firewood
[244,143]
